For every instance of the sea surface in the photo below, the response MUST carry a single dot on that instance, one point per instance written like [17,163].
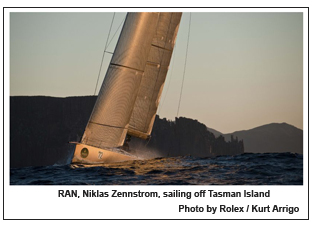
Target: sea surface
[245,169]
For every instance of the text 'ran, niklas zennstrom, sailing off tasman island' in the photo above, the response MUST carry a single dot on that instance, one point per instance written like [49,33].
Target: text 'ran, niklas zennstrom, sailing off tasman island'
[174,193]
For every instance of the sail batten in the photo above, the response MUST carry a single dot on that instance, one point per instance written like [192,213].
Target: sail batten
[118,65]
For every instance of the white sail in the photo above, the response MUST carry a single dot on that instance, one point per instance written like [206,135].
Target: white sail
[146,104]
[109,121]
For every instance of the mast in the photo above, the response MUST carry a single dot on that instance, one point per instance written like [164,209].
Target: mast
[155,72]
[109,121]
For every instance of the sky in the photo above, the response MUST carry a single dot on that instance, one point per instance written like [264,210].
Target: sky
[243,69]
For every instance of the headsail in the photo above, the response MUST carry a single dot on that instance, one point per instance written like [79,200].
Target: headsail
[109,121]
[146,104]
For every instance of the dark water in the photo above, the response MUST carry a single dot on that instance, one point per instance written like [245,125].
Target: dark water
[245,169]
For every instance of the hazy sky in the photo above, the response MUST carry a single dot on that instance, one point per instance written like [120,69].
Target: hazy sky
[243,69]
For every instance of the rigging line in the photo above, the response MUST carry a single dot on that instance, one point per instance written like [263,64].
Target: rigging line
[103,55]
[116,31]
[188,38]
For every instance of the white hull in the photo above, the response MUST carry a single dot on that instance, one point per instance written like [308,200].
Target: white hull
[93,155]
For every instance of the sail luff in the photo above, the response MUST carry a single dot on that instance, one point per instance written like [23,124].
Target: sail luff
[109,121]
[146,104]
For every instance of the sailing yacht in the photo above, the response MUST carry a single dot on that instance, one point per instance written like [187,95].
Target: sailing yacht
[129,96]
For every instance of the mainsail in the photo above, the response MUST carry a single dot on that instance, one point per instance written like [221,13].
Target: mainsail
[129,96]
[146,104]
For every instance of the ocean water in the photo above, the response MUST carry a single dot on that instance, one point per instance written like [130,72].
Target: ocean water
[245,169]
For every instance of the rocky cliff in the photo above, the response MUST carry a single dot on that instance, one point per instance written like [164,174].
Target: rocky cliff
[41,127]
